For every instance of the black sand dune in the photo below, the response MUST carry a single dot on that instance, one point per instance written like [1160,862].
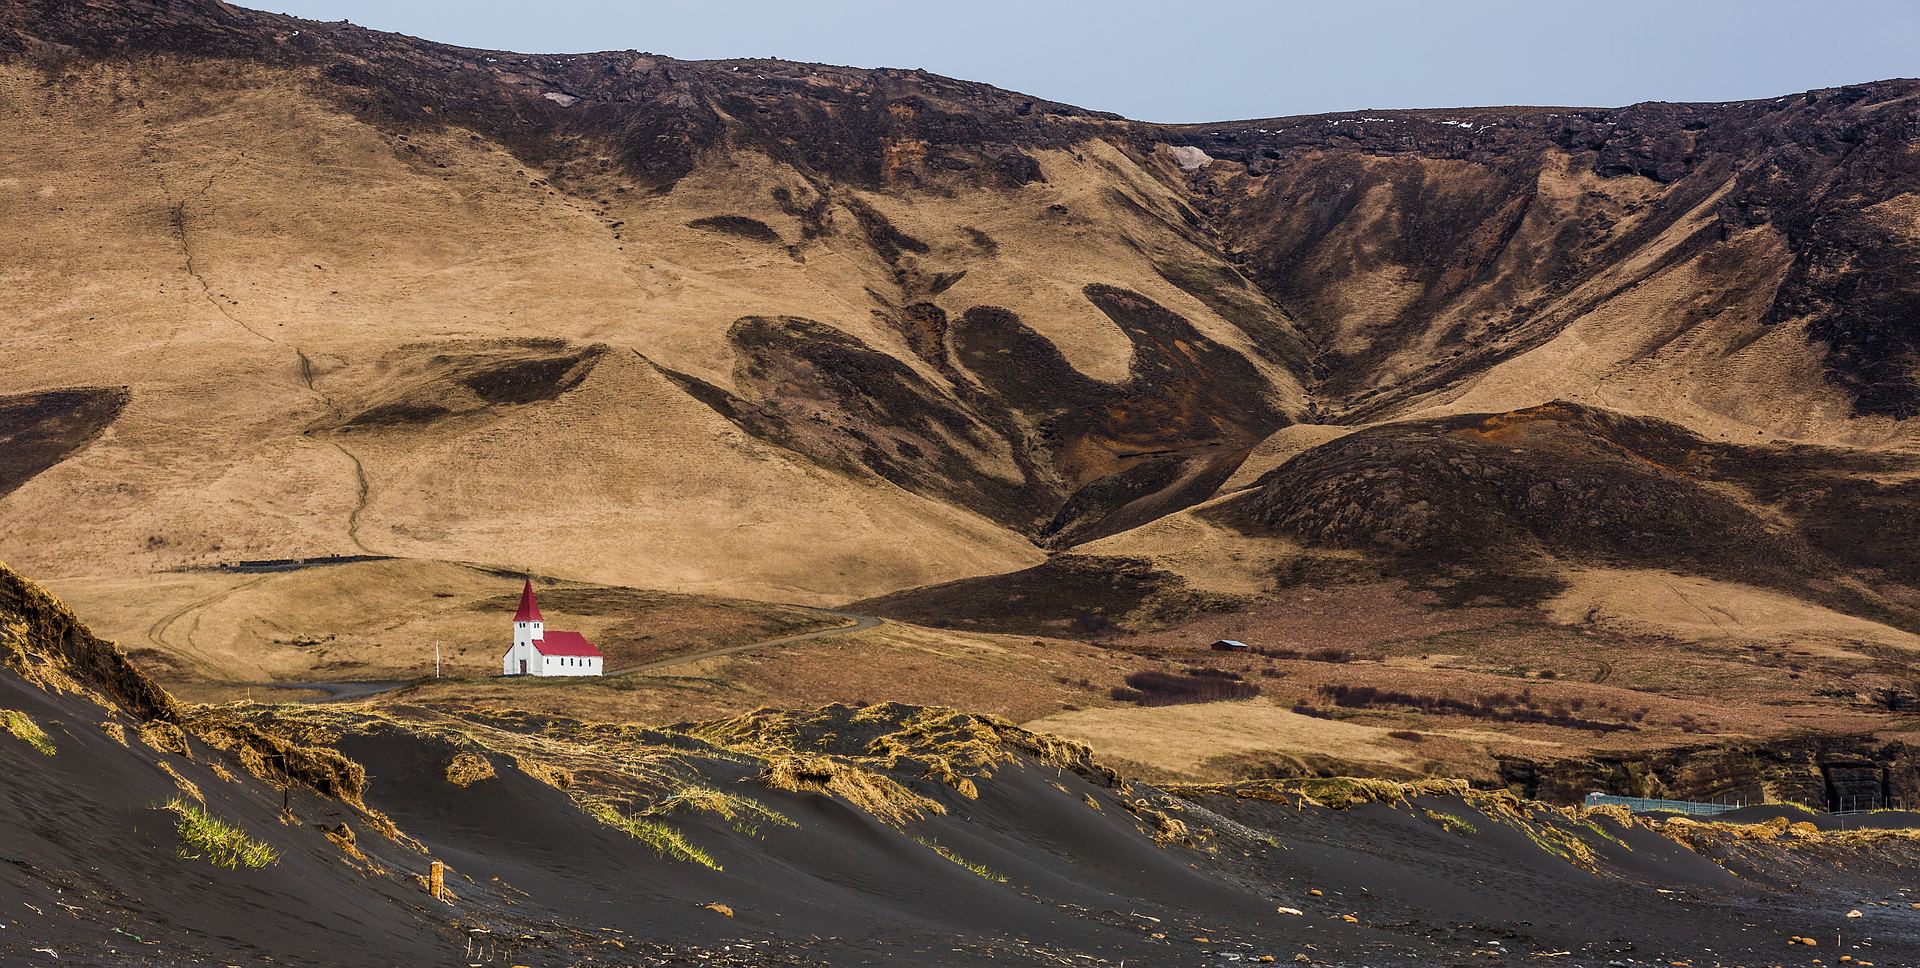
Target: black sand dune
[956,841]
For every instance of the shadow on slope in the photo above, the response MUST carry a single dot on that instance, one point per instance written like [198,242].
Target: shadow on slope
[39,430]
[1010,429]
[1501,498]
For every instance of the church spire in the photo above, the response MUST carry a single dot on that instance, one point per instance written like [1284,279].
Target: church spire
[529,609]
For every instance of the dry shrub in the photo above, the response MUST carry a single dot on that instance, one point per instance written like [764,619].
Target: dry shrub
[557,777]
[956,747]
[866,789]
[265,750]
[342,837]
[1500,707]
[186,786]
[1165,828]
[165,737]
[466,769]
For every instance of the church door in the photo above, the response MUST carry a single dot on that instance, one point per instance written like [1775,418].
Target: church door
[523,667]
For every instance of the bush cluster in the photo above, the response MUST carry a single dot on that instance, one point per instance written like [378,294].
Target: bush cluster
[1156,688]
[1501,707]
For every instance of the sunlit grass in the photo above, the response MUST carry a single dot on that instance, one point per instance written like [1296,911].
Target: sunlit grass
[204,836]
[23,728]
[979,869]
[664,840]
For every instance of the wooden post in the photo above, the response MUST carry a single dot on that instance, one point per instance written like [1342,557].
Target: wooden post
[437,880]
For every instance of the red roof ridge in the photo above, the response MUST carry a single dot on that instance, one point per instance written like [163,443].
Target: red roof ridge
[558,642]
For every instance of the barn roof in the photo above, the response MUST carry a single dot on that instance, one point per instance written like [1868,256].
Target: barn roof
[529,609]
[565,643]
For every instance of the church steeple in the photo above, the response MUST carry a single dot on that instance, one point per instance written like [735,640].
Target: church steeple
[529,609]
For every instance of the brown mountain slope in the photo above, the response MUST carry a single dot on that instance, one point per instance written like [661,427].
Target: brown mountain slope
[811,333]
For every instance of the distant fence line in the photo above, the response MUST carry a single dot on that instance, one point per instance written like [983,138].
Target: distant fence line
[1649,805]
[294,564]
[1846,805]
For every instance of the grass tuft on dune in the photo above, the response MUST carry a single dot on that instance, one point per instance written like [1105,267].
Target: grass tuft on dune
[21,726]
[981,870]
[204,836]
[665,841]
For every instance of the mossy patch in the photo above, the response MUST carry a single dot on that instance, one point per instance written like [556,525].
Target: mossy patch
[21,726]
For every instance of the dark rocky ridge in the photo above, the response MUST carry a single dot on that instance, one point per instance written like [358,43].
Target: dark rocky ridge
[653,114]
[1825,772]
[1805,166]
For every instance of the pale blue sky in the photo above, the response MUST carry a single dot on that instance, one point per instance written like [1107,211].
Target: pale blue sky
[1229,59]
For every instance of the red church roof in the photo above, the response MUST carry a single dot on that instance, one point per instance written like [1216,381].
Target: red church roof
[529,609]
[565,643]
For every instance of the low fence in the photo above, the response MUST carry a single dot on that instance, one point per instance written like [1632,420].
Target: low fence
[1649,805]
[1846,806]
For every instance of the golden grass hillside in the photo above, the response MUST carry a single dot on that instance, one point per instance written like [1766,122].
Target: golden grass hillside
[261,270]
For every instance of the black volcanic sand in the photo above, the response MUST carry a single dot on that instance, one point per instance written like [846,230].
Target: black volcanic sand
[88,867]
[1048,865]
[553,887]
[1655,901]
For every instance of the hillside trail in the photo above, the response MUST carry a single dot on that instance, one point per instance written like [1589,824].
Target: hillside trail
[157,632]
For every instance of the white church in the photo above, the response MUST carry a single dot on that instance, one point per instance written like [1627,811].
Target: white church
[540,651]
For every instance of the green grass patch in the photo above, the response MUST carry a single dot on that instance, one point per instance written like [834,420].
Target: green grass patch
[979,869]
[665,841]
[204,836]
[744,813]
[1450,823]
[1589,823]
[22,727]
